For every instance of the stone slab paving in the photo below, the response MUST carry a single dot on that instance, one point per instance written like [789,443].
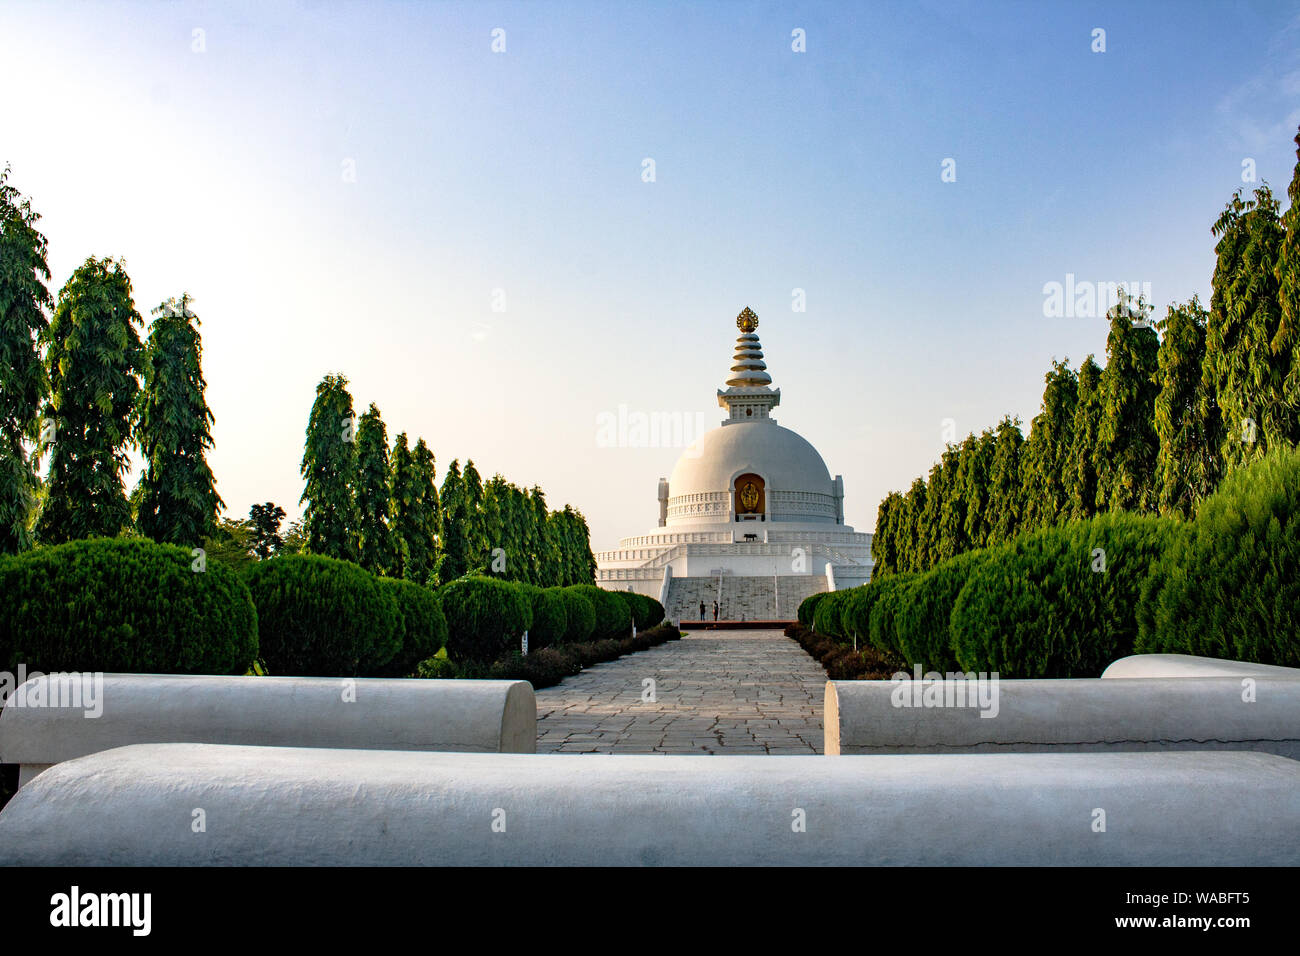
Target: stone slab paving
[716,692]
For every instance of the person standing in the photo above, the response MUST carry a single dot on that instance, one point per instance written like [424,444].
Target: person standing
[715,610]
[701,610]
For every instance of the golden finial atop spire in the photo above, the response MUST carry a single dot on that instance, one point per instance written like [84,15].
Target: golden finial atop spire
[747,321]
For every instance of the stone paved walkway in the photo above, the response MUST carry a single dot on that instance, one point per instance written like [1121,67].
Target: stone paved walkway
[716,692]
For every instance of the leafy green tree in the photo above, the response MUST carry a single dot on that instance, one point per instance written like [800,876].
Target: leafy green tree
[404,499]
[374,540]
[24,384]
[952,515]
[499,529]
[546,558]
[1006,495]
[945,540]
[579,562]
[424,530]
[265,521]
[453,550]
[930,530]
[1248,351]
[475,535]
[1126,438]
[178,492]
[915,546]
[93,359]
[1286,343]
[1047,450]
[974,480]
[1080,473]
[1186,417]
[295,539]
[884,542]
[329,465]
[233,543]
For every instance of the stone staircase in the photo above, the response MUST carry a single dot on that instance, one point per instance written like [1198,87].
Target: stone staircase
[743,598]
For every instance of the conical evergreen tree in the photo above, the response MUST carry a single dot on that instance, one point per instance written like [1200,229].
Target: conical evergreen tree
[403,503]
[952,515]
[476,541]
[423,534]
[374,539]
[1286,343]
[329,465]
[1080,473]
[24,384]
[453,550]
[1126,438]
[974,478]
[1006,497]
[884,543]
[1243,362]
[915,547]
[1047,450]
[178,501]
[93,361]
[1186,417]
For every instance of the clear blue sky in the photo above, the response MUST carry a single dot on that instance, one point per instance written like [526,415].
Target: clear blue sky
[221,172]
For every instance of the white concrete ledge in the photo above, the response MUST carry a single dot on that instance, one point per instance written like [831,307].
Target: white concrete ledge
[362,714]
[1139,714]
[1185,665]
[194,804]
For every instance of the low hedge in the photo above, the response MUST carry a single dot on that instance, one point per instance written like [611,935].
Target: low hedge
[646,611]
[423,628]
[1229,585]
[855,616]
[808,607]
[1062,601]
[580,614]
[486,617]
[921,623]
[613,617]
[826,614]
[892,593]
[550,619]
[320,617]
[123,604]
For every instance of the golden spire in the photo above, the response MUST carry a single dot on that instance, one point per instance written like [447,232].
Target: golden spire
[747,321]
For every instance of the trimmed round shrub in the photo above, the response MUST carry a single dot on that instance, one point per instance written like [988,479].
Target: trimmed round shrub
[855,616]
[485,618]
[1059,602]
[123,604]
[550,619]
[613,618]
[808,607]
[658,614]
[891,594]
[646,611]
[1229,585]
[826,616]
[320,617]
[580,614]
[922,622]
[423,627]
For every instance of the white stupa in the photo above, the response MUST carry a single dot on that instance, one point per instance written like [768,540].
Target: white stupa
[750,516]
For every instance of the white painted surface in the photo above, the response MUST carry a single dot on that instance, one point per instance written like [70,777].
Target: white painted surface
[270,806]
[1208,713]
[1186,665]
[364,713]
